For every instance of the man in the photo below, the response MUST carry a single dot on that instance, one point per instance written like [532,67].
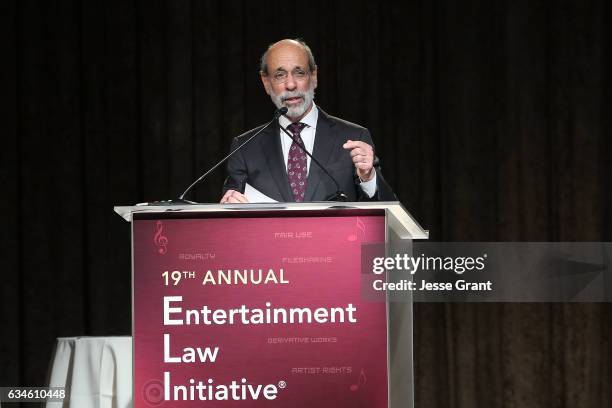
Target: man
[273,162]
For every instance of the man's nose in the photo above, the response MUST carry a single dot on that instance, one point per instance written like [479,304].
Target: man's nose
[291,84]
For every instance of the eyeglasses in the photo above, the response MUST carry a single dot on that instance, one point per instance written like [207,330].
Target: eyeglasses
[281,76]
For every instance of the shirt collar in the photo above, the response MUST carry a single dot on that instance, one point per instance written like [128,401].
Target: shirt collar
[309,120]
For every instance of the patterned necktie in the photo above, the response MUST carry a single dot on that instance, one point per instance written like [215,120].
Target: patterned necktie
[296,163]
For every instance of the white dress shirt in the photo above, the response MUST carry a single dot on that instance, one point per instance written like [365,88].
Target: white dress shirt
[308,137]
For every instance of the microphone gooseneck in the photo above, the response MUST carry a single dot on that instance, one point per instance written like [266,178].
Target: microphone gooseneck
[277,114]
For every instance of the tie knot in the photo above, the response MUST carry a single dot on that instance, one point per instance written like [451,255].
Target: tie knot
[296,128]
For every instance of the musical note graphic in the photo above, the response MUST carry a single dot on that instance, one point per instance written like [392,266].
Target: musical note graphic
[361,227]
[361,230]
[360,381]
[160,239]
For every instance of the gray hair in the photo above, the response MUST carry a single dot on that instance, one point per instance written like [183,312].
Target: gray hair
[263,63]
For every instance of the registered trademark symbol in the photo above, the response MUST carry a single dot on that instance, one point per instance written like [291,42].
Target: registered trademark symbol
[282,384]
[485,255]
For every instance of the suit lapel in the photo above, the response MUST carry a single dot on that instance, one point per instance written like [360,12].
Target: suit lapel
[273,153]
[325,143]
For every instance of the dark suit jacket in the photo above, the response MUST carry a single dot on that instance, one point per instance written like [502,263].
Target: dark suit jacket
[261,164]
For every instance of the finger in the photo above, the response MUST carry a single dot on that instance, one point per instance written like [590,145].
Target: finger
[364,166]
[240,197]
[357,151]
[226,196]
[363,158]
[351,144]
[360,156]
[362,148]
[236,197]
[359,159]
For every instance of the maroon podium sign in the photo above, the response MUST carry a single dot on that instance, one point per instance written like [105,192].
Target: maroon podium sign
[256,309]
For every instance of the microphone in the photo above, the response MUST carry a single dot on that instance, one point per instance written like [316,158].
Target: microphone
[181,199]
[277,114]
[339,194]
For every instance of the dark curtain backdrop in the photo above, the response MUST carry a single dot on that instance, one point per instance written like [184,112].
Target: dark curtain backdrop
[492,120]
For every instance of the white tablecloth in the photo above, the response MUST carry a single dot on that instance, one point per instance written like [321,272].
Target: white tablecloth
[96,371]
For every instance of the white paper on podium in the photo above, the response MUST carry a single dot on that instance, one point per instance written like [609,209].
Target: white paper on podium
[255,196]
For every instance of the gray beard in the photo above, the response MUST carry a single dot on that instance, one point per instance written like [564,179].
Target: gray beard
[297,110]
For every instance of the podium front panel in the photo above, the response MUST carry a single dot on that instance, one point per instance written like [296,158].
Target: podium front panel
[258,309]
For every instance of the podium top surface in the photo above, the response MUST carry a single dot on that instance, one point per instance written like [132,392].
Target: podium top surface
[399,220]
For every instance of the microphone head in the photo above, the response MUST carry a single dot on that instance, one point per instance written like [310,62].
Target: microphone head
[280,111]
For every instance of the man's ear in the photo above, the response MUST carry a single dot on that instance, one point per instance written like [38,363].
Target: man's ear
[265,80]
[313,77]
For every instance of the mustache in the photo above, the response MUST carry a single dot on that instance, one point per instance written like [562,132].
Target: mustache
[287,95]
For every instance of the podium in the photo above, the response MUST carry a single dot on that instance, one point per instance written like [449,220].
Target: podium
[267,305]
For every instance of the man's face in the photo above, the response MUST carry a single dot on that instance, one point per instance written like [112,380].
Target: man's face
[289,81]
